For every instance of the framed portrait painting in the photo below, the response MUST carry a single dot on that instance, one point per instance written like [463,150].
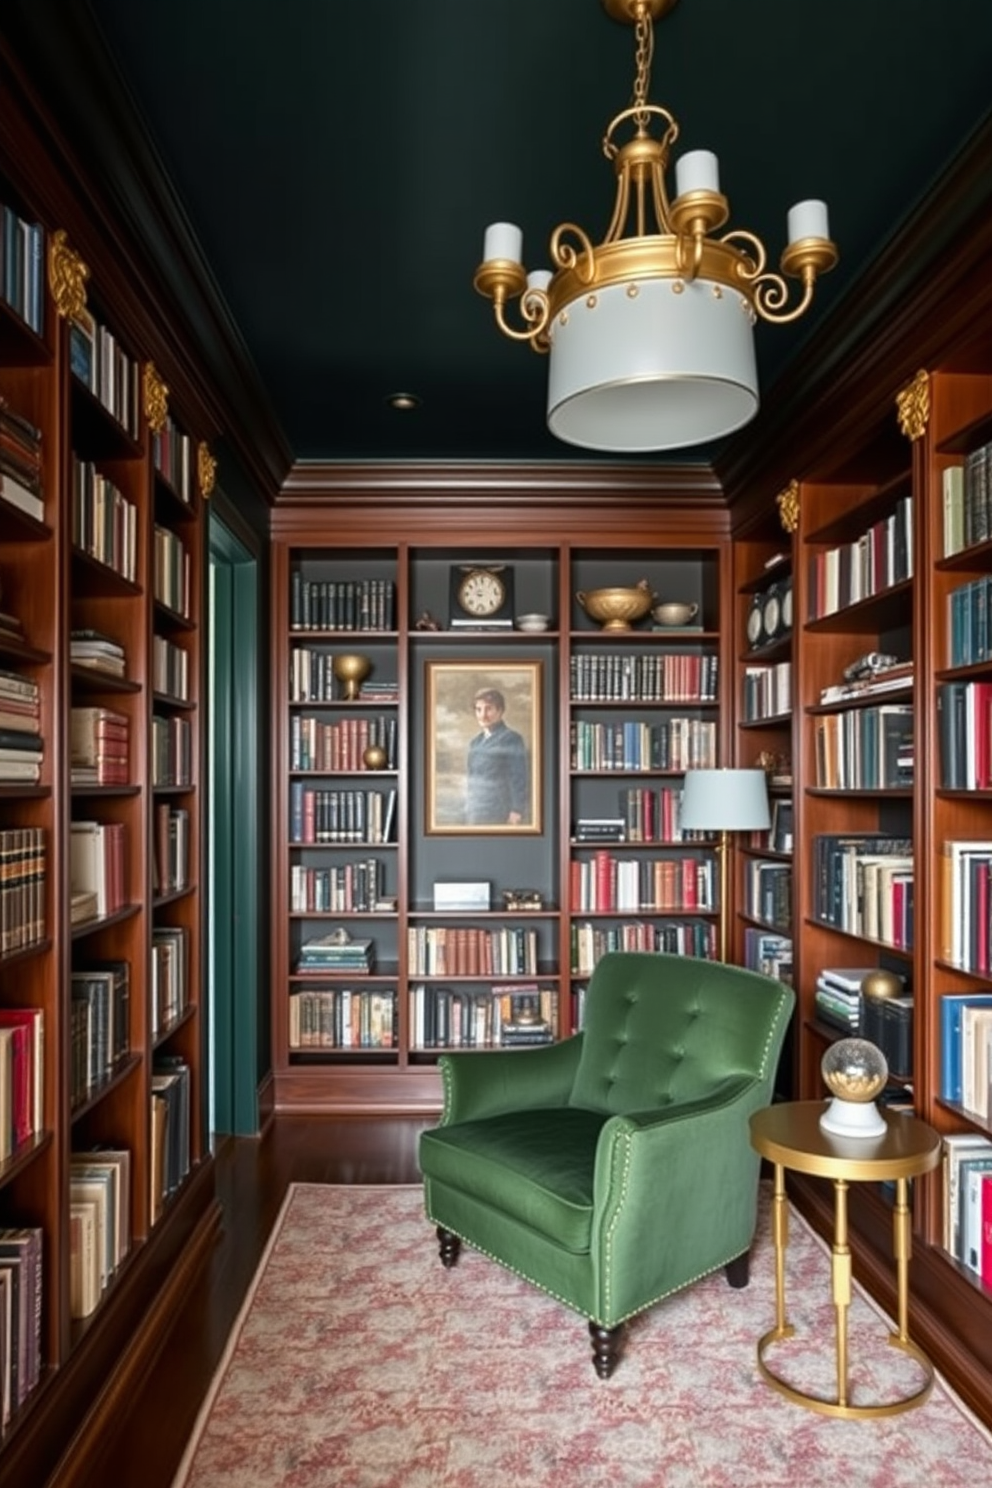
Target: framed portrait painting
[483,747]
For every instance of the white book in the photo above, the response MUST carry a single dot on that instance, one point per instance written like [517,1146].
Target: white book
[974,1171]
[18,495]
[958,1148]
[88,862]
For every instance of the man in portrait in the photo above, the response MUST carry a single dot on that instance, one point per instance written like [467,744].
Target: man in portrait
[498,777]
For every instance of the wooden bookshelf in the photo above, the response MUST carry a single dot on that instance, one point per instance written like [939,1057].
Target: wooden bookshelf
[88,564]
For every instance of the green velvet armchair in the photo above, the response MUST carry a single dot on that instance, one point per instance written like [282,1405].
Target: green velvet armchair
[614,1167]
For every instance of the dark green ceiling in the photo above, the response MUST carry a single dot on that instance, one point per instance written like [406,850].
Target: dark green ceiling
[339,160]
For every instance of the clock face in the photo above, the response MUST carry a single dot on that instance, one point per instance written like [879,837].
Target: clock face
[771,616]
[787,605]
[754,615]
[481,593]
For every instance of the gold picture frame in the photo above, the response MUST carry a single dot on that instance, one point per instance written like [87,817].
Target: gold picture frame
[483,762]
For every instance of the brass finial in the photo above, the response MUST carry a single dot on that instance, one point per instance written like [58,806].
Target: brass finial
[156,399]
[67,276]
[913,406]
[206,467]
[787,502]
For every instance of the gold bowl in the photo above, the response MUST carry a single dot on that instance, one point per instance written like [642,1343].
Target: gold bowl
[351,672]
[617,609]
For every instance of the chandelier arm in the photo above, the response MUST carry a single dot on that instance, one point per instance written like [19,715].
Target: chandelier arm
[621,206]
[771,293]
[535,309]
[567,257]
[753,263]
[689,269]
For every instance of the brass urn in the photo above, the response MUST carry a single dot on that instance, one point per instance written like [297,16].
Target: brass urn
[351,671]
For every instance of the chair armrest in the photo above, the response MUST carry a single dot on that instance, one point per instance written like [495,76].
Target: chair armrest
[499,1080]
[685,1174]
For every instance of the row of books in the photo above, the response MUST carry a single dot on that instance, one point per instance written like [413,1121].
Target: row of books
[22,1070]
[96,864]
[21,1312]
[768,892]
[104,522]
[346,604]
[99,743]
[170,669]
[967,501]
[22,888]
[316,744]
[965,904]
[966,1051]
[172,750]
[677,744]
[865,748]
[170,1144]
[967,1191]
[100,1030]
[22,271]
[172,453]
[345,888]
[766,691]
[876,560]
[99,1223]
[341,1018]
[170,858]
[463,950]
[170,975]
[969,625]
[863,884]
[964,735]
[768,952]
[482,1018]
[312,680]
[647,677]
[337,816]
[20,462]
[100,363]
[648,815]
[589,942]
[97,652]
[336,952]
[607,884]
[171,571]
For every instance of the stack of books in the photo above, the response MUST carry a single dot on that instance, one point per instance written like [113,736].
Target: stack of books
[100,747]
[334,953]
[20,463]
[91,648]
[838,996]
[20,756]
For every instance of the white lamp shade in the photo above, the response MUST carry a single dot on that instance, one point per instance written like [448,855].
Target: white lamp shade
[503,240]
[725,801]
[697,171]
[670,366]
[807,219]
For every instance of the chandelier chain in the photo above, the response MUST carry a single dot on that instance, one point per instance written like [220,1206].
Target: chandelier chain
[643,56]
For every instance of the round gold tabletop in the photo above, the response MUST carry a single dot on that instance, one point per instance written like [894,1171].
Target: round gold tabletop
[790,1134]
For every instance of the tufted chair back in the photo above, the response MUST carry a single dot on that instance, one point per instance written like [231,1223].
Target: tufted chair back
[662,1029]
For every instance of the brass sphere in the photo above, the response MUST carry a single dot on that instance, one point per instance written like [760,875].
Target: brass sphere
[881,983]
[351,671]
[374,757]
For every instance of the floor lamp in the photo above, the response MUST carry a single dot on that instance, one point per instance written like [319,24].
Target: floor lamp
[725,801]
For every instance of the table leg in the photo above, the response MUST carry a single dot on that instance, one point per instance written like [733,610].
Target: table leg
[902,1249]
[780,1235]
[840,1271]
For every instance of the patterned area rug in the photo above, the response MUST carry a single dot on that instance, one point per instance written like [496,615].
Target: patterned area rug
[359,1362]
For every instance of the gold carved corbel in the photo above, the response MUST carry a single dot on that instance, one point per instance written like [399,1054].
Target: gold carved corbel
[913,406]
[787,502]
[67,276]
[156,399]
[206,467]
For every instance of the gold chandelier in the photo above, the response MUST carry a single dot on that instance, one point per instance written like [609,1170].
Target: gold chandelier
[650,332]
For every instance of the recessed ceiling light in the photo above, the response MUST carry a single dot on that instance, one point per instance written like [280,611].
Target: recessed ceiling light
[403,401]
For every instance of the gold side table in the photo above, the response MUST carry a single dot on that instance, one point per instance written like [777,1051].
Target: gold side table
[789,1136]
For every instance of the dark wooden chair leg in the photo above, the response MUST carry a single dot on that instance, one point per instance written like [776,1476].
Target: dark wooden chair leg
[449,1246]
[605,1348]
[738,1270]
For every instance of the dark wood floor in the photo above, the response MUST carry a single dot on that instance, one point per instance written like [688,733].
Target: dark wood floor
[252,1178]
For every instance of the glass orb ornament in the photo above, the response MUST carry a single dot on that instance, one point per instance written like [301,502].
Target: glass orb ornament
[351,672]
[854,1070]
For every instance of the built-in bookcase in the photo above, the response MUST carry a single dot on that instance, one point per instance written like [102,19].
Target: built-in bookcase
[479,936]
[100,822]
